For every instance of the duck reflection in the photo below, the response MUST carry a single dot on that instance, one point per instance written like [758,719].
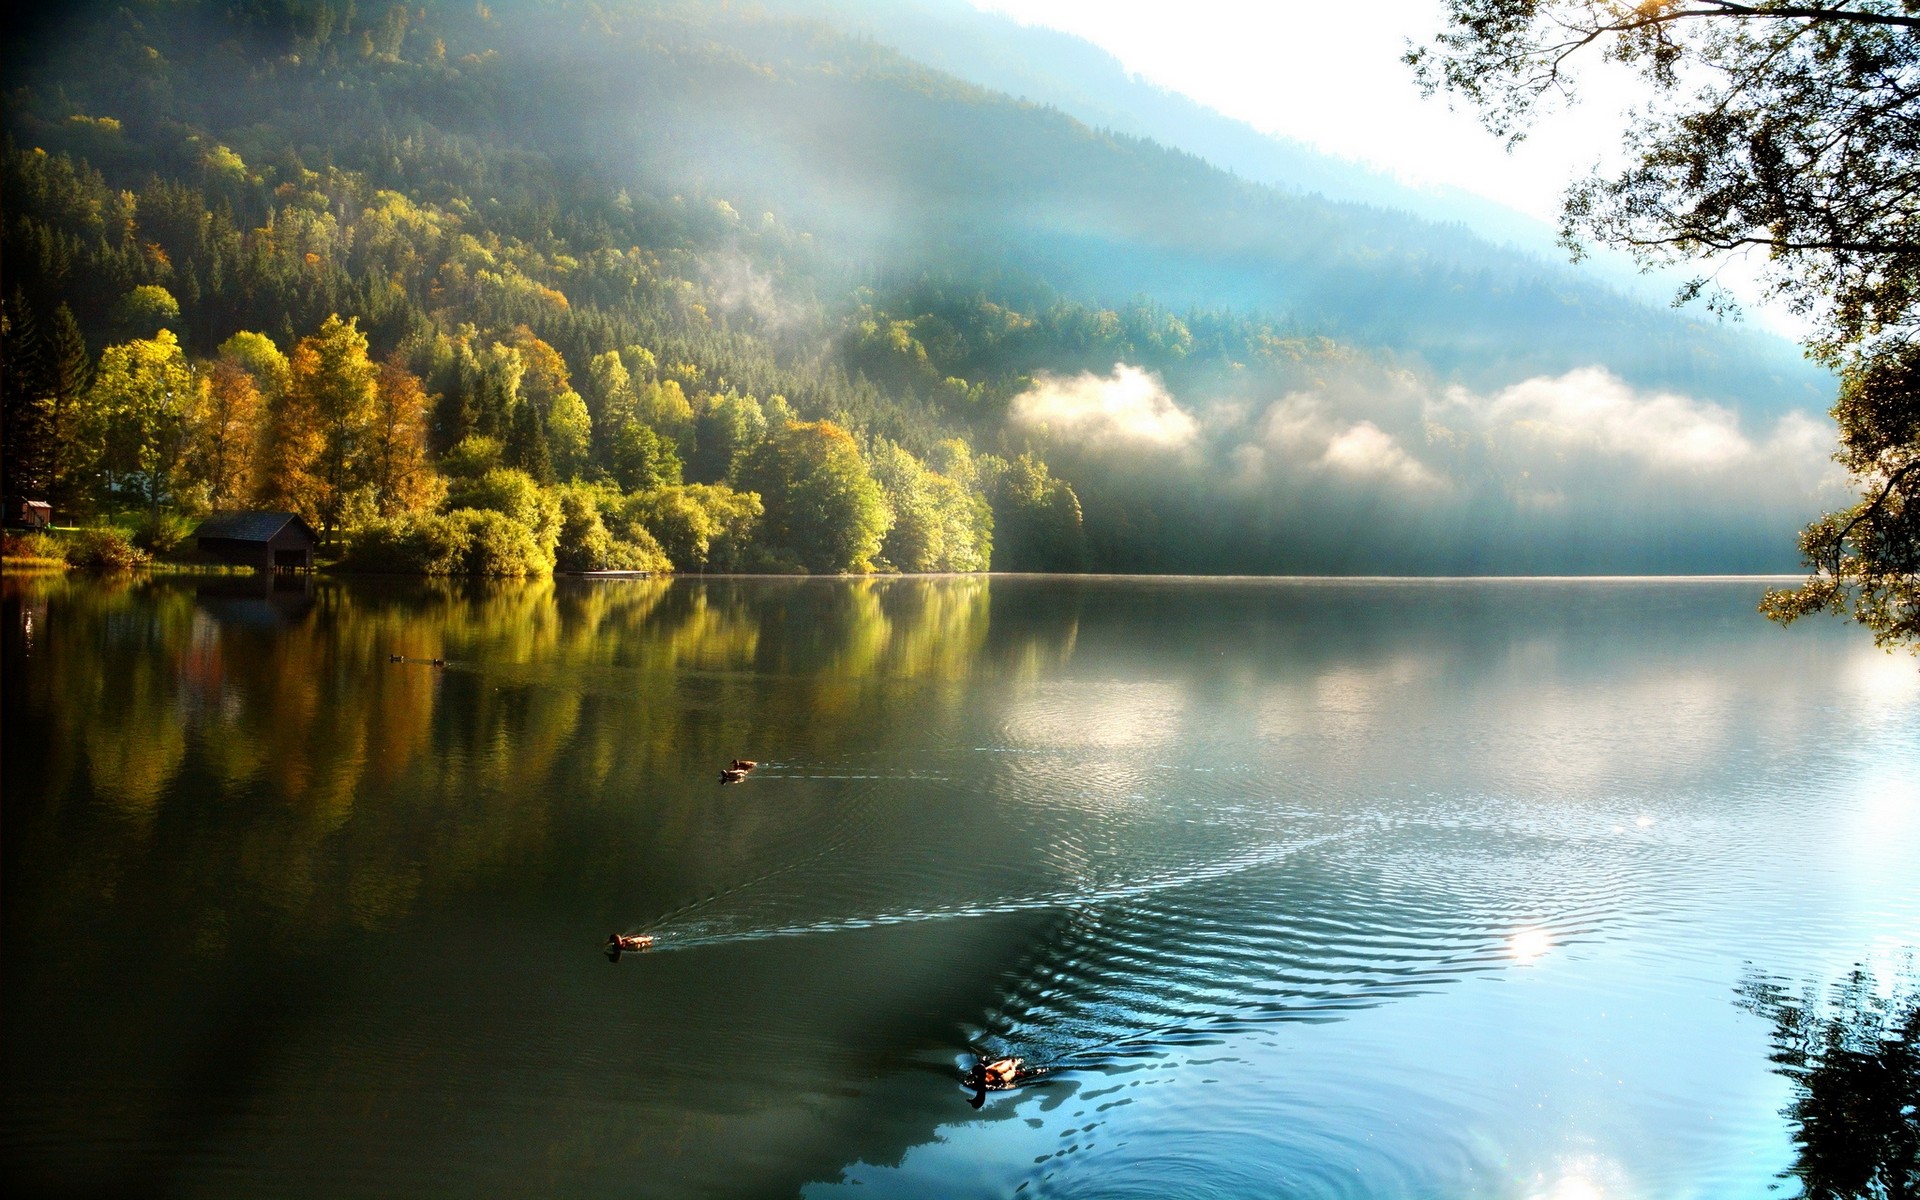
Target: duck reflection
[1854,1063]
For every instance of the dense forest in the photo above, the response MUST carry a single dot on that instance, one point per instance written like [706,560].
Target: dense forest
[677,286]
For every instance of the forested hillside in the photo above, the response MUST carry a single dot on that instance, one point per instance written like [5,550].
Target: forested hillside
[635,284]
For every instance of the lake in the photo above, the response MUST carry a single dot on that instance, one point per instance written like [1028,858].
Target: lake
[1300,888]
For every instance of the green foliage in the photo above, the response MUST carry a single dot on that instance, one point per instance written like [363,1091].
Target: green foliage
[473,457]
[513,227]
[414,544]
[823,509]
[1036,517]
[643,460]
[724,428]
[514,495]
[1866,559]
[161,533]
[465,541]
[584,541]
[135,416]
[527,447]
[938,525]
[569,435]
[700,526]
[145,311]
[596,534]
[104,549]
[499,546]
[257,354]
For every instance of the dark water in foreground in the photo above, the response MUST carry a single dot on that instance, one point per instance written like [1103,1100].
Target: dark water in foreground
[1303,889]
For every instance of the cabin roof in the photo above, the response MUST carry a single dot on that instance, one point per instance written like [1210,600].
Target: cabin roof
[251,526]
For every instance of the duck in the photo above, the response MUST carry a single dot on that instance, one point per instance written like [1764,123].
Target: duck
[396,658]
[629,942]
[999,1073]
[743,764]
[732,774]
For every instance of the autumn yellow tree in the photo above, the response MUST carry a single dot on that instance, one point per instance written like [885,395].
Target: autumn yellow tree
[225,426]
[320,443]
[403,481]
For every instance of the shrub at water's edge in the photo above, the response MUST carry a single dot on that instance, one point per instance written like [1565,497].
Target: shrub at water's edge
[104,549]
[32,548]
[100,548]
[422,544]
[463,542]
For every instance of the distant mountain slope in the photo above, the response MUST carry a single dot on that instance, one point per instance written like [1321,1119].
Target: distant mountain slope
[900,169]
[1057,69]
[915,168]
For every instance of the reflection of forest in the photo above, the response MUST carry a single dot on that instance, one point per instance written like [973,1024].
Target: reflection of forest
[347,782]
[1854,1062]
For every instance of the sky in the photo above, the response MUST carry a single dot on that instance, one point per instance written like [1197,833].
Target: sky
[1331,75]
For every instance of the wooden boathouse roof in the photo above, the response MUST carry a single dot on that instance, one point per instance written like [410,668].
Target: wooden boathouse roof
[251,526]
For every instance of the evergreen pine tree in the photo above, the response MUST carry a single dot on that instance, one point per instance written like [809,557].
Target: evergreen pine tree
[527,444]
[23,414]
[69,372]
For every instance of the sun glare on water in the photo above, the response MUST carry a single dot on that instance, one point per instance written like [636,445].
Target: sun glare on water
[1528,945]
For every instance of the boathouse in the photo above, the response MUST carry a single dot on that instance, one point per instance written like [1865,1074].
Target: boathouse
[266,541]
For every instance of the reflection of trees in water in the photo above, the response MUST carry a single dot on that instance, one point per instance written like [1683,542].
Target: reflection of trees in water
[287,760]
[252,784]
[1854,1062]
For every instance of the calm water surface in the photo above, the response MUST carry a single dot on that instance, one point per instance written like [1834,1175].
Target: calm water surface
[1301,889]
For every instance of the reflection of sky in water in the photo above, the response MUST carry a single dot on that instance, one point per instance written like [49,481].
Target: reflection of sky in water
[1675,810]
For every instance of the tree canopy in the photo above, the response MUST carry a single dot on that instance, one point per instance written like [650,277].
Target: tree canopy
[1787,131]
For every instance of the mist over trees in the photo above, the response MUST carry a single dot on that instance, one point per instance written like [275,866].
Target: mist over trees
[495,289]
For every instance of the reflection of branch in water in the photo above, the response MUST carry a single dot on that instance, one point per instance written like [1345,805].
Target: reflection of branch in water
[1854,1062]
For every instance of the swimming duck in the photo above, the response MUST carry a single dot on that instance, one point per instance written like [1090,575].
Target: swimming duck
[732,774]
[629,942]
[999,1073]
[743,764]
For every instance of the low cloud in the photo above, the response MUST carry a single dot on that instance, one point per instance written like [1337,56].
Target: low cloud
[731,283]
[1593,416]
[1304,431]
[1546,442]
[1367,450]
[1130,408]
[1387,469]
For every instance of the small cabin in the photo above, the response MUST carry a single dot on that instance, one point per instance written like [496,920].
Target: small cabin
[266,541]
[33,514]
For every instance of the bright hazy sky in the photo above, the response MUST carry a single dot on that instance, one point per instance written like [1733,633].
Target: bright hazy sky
[1330,74]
